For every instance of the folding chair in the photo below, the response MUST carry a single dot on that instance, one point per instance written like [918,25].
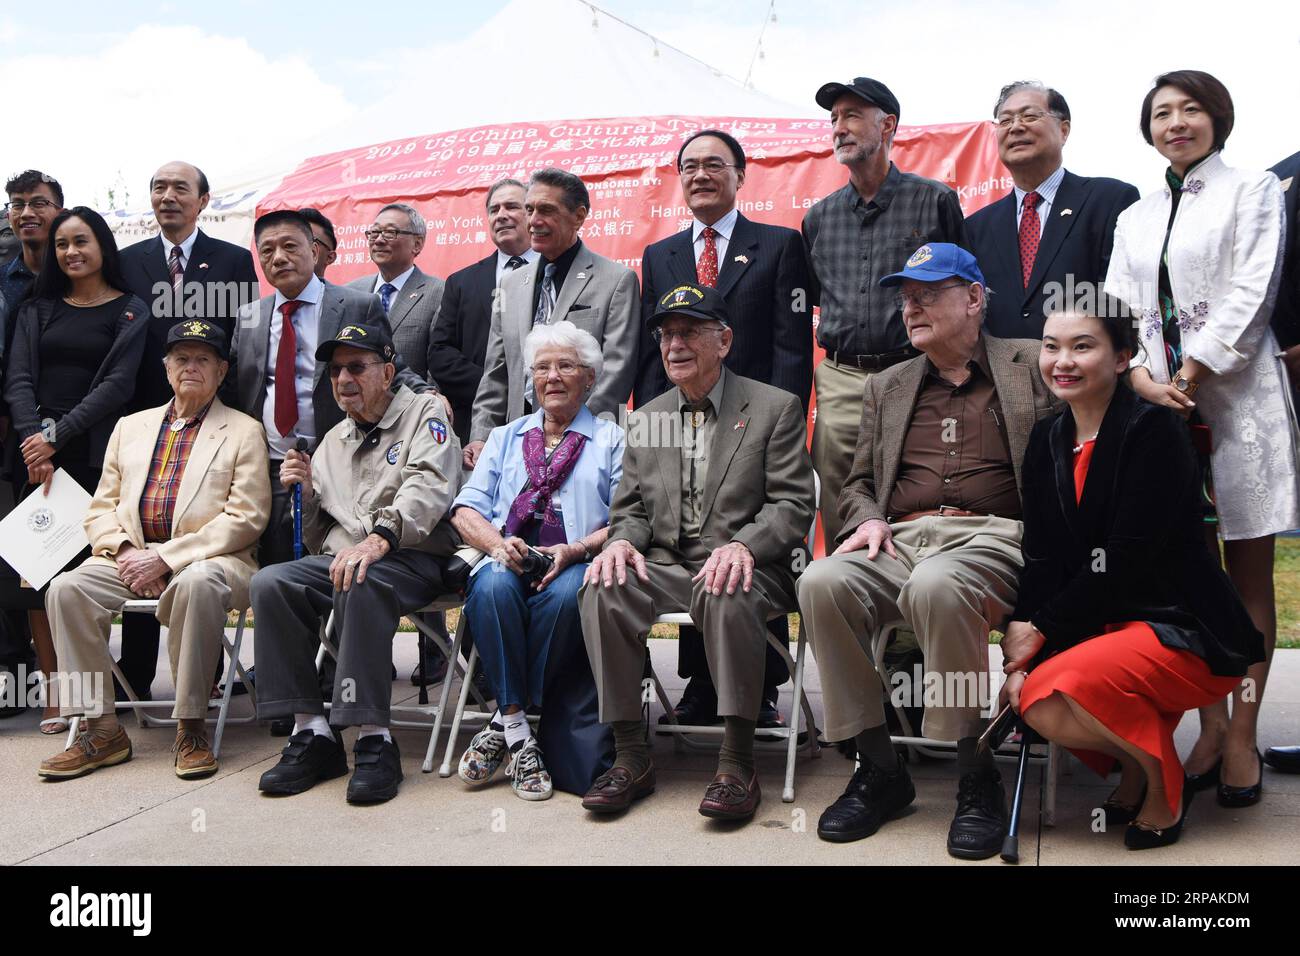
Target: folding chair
[943,749]
[232,648]
[799,705]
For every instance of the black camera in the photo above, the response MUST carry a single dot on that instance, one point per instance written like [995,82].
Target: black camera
[536,565]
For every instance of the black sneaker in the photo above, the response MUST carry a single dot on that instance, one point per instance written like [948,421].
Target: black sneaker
[872,796]
[306,759]
[378,770]
[980,824]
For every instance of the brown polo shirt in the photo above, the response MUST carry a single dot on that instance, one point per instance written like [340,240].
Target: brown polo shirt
[956,451]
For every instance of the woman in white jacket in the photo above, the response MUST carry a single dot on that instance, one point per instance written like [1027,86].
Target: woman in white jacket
[1198,261]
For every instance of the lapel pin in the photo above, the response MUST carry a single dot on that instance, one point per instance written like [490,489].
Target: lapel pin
[581,275]
[414,295]
[740,424]
[1067,212]
[744,259]
[203,265]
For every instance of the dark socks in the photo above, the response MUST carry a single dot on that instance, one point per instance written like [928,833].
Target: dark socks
[968,759]
[737,754]
[631,752]
[874,745]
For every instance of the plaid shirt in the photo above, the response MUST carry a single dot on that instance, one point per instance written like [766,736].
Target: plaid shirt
[159,498]
[852,245]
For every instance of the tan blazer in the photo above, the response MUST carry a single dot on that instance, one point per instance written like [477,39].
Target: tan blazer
[222,505]
[758,490]
[887,413]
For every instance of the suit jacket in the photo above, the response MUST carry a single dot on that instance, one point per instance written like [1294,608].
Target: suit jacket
[1286,314]
[1140,517]
[758,489]
[412,316]
[598,295]
[1075,244]
[222,504]
[221,271]
[887,413]
[245,386]
[458,342]
[764,271]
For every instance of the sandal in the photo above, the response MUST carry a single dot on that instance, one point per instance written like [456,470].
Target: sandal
[54,725]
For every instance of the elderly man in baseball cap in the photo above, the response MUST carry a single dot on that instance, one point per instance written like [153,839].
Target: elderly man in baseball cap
[931,540]
[182,499]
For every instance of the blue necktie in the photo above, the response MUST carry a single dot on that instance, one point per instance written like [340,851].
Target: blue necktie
[386,295]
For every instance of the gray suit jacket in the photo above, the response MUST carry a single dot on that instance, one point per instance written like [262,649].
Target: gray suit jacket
[598,295]
[759,488]
[245,385]
[887,413]
[412,314]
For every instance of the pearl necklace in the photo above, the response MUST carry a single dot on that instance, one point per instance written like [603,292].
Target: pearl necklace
[1079,447]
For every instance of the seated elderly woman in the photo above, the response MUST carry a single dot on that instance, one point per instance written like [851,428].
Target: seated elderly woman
[537,505]
[1124,619]
[181,502]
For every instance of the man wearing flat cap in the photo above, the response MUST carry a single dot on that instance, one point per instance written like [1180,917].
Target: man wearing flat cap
[710,518]
[931,540]
[854,236]
[375,496]
[181,502]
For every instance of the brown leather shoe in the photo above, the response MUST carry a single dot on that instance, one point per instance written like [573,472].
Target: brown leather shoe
[194,756]
[730,798]
[87,753]
[615,790]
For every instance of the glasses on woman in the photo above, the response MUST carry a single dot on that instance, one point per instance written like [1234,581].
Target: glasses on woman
[567,369]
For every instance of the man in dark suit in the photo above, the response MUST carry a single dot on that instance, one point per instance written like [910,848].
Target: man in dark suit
[1048,243]
[181,273]
[458,342]
[762,273]
[409,297]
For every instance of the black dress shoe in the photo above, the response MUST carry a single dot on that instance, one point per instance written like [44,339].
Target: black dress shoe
[1285,759]
[872,796]
[1205,781]
[282,727]
[695,710]
[306,759]
[980,824]
[1235,797]
[378,770]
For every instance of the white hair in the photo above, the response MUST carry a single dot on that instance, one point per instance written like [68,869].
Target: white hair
[564,335]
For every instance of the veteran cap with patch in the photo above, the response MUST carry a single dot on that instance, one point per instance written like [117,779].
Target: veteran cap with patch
[374,338]
[196,330]
[697,301]
[936,261]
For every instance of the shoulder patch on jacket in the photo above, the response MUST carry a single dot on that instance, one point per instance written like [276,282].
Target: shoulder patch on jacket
[438,429]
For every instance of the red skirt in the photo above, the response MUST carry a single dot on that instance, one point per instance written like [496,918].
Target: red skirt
[1137,687]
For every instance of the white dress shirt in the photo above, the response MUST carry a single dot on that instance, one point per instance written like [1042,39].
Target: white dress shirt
[186,247]
[306,322]
[528,255]
[723,227]
[397,282]
[1046,195]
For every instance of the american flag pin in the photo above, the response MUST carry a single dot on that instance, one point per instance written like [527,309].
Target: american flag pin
[1067,212]
[739,424]
[581,275]
[203,265]
[744,259]
[414,295]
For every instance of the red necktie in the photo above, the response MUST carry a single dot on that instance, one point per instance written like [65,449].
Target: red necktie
[174,268]
[286,379]
[706,270]
[1030,228]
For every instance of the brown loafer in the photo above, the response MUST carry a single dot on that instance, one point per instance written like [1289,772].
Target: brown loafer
[88,752]
[730,798]
[615,790]
[194,757]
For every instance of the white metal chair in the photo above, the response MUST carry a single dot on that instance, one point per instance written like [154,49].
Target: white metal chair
[140,707]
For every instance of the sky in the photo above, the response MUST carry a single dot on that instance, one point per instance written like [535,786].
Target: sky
[107,93]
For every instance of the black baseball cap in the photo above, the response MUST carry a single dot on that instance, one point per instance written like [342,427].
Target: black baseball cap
[697,301]
[196,330]
[374,338]
[873,91]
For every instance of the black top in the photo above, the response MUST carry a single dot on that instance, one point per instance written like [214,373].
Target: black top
[1132,548]
[72,348]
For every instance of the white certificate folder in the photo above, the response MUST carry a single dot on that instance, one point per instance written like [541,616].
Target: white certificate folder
[43,533]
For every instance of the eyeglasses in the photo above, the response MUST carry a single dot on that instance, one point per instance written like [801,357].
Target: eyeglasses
[711,166]
[323,244]
[388,233]
[1027,117]
[355,369]
[36,205]
[567,369]
[926,297]
[689,335]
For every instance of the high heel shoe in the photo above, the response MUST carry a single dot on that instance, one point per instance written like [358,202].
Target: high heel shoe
[1143,836]
[1117,813]
[1207,780]
[1233,797]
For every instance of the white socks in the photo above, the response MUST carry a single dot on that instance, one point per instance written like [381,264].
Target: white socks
[374,730]
[316,723]
[517,729]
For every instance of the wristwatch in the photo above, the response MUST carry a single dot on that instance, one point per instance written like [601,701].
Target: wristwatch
[1186,385]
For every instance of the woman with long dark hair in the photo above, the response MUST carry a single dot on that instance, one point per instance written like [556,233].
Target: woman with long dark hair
[69,375]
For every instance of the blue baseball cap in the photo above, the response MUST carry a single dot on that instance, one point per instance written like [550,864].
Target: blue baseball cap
[936,261]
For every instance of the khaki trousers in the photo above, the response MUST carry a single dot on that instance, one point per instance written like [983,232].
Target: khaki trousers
[835,436]
[617,619]
[953,580]
[81,604]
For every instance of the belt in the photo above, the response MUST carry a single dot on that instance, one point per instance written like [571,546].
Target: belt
[943,511]
[873,363]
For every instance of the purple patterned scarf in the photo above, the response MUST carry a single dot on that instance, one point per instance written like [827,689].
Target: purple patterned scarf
[544,480]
